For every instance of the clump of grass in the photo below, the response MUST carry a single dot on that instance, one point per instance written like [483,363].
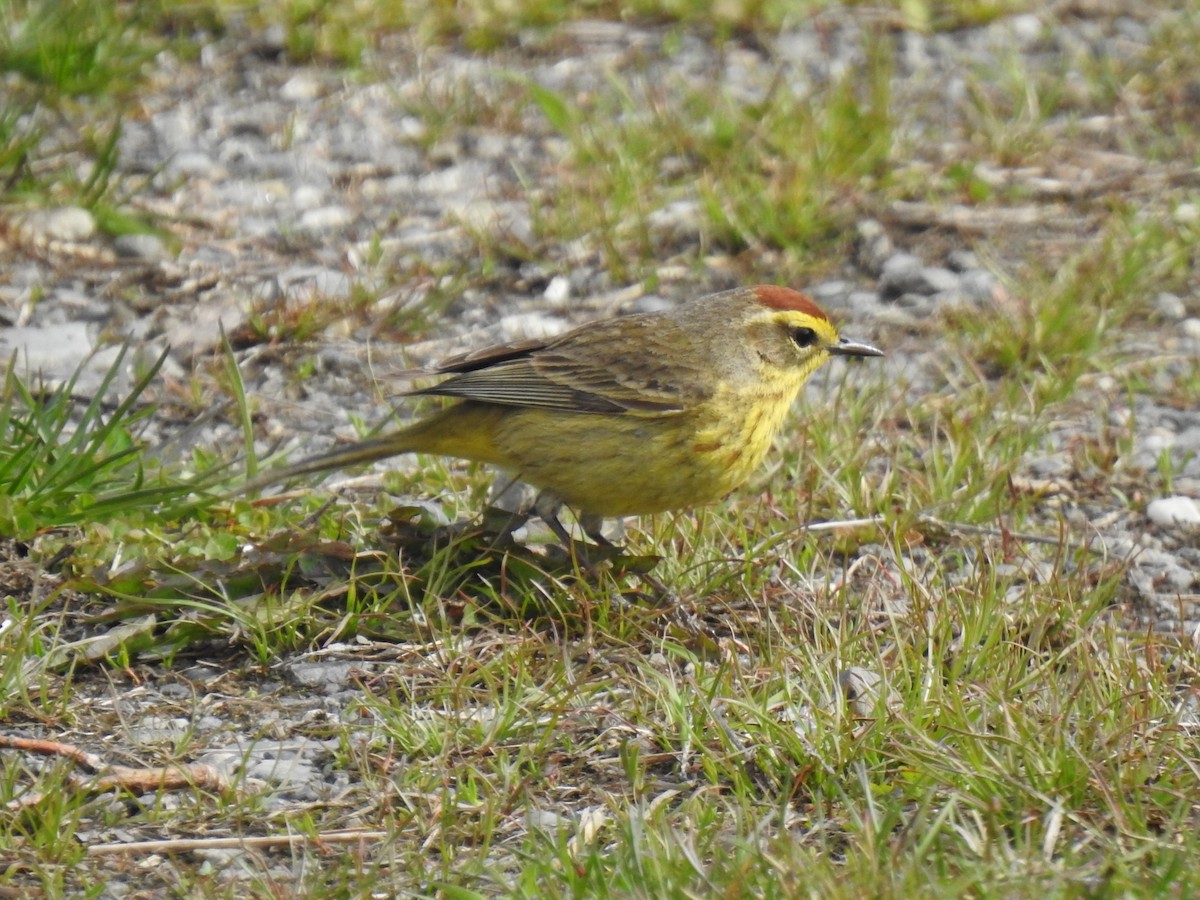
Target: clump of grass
[773,174]
[57,55]
[1069,321]
[74,47]
[63,462]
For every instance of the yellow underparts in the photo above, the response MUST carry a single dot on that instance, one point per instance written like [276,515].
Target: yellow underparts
[616,465]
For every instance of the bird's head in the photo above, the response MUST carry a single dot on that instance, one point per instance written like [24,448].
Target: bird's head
[792,335]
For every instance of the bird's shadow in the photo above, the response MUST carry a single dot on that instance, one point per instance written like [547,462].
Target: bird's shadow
[490,538]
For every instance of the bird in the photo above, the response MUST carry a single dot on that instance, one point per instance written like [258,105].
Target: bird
[625,416]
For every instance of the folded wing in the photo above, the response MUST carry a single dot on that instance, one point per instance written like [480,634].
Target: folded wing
[627,365]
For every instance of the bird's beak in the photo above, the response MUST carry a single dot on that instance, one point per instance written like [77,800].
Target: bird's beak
[846,347]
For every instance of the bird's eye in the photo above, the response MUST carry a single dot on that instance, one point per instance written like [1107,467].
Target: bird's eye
[804,337]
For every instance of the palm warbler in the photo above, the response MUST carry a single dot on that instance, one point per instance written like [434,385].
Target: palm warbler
[632,415]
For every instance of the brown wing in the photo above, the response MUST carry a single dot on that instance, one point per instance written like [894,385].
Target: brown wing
[627,365]
[489,356]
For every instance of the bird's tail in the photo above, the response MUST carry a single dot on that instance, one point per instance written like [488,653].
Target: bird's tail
[465,430]
[361,453]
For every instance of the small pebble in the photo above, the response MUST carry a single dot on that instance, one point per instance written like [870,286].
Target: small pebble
[925,280]
[862,303]
[652,303]
[159,729]
[69,223]
[978,286]
[193,164]
[301,86]
[324,675]
[962,261]
[904,274]
[1167,511]
[1187,213]
[141,246]
[830,292]
[1169,306]
[1025,28]
[55,349]
[676,223]
[271,41]
[558,291]
[873,248]
[900,264]
[307,196]
[862,691]
[305,282]
[325,218]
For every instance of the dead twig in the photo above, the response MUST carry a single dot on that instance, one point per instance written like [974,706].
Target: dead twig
[109,777]
[185,845]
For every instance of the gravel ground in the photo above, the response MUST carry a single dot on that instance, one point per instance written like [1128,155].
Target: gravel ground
[278,183]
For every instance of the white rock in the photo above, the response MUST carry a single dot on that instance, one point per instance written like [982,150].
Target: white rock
[1174,511]
[558,291]
[1026,28]
[53,350]
[413,129]
[141,246]
[1186,213]
[1170,306]
[307,196]
[193,163]
[68,223]
[679,221]
[300,87]
[325,218]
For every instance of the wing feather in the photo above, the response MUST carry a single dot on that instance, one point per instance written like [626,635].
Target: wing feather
[626,365]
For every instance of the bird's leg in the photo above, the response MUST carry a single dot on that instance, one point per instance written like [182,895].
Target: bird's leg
[501,523]
[547,507]
[592,526]
[509,508]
